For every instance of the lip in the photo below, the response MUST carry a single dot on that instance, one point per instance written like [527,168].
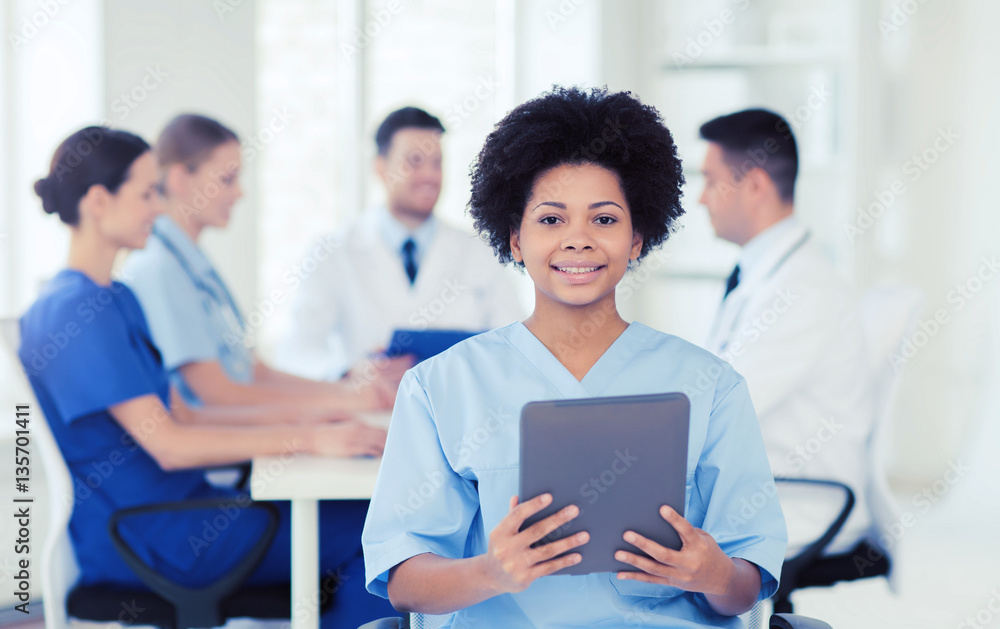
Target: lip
[577,277]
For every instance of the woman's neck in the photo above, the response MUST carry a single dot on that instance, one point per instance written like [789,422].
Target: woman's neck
[92,256]
[576,335]
[184,218]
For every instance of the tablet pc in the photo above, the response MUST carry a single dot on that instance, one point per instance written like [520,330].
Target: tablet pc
[618,459]
[423,344]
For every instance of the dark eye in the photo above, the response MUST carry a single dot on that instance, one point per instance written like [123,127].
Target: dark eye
[549,220]
[606,220]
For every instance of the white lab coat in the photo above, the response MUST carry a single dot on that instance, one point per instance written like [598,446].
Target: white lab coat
[359,293]
[791,329]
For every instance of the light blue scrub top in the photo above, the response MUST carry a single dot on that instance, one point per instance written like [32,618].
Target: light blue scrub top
[451,465]
[190,311]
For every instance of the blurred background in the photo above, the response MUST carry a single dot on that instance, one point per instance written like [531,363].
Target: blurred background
[894,104]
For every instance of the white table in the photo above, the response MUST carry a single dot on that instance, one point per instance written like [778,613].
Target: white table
[305,480]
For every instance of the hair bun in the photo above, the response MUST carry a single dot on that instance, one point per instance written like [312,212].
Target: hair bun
[46,191]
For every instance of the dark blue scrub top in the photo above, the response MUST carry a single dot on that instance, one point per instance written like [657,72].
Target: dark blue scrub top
[86,348]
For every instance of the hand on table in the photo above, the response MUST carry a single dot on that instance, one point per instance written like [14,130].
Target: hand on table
[348,438]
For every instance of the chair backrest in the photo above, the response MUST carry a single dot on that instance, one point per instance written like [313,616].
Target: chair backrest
[59,569]
[889,316]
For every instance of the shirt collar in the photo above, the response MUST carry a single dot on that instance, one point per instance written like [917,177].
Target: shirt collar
[395,233]
[755,252]
[178,241]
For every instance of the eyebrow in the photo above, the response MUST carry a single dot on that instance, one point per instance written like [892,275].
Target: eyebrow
[592,206]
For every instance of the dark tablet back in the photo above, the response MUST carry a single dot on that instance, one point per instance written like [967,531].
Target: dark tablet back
[617,458]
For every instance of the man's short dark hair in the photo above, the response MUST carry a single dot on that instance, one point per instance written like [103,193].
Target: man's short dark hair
[757,138]
[405,118]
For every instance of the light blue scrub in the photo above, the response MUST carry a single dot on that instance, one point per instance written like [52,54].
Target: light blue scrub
[190,311]
[451,465]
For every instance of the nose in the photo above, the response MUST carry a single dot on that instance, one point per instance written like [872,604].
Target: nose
[704,192]
[578,237]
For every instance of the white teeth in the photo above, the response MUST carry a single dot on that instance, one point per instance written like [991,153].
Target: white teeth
[578,270]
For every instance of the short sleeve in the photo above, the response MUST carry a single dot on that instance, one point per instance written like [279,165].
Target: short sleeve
[86,359]
[734,486]
[420,505]
[174,309]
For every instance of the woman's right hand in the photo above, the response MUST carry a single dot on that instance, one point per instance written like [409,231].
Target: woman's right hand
[347,438]
[511,563]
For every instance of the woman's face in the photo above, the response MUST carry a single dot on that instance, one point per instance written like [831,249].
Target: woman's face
[576,236]
[209,193]
[127,218]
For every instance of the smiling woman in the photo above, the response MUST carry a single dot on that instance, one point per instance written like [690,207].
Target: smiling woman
[573,186]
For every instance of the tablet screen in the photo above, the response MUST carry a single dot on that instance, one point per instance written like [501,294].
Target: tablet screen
[619,459]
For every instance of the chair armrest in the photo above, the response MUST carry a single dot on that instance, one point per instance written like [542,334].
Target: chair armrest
[384,623]
[814,550]
[794,621]
[196,607]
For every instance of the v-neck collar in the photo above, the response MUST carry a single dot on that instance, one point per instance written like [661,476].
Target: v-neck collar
[601,374]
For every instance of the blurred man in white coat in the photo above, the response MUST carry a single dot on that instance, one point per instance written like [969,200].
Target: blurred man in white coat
[788,324]
[396,267]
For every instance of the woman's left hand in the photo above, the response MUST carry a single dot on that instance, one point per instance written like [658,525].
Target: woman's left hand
[699,566]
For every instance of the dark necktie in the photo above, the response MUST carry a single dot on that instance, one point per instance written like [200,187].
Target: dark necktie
[410,259]
[733,281]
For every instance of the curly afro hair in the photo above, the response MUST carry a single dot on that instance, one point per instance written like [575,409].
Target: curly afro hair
[576,126]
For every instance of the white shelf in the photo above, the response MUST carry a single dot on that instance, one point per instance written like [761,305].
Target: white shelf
[755,57]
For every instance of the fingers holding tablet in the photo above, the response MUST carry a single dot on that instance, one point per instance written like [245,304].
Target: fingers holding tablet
[515,558]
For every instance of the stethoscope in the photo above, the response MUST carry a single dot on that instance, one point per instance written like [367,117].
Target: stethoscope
[227,305]
[771,272]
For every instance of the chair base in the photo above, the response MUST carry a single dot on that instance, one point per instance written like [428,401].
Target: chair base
[864,562]
[129,606]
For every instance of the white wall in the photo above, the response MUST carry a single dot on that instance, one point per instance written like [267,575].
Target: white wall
[198,59]
[937,74]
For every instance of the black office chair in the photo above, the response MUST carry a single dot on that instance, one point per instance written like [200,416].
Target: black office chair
[168,605]
[778,621]
[810,568]
[174,606]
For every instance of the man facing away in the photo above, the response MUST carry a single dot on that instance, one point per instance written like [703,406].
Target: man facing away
[395,267]
[788,324]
